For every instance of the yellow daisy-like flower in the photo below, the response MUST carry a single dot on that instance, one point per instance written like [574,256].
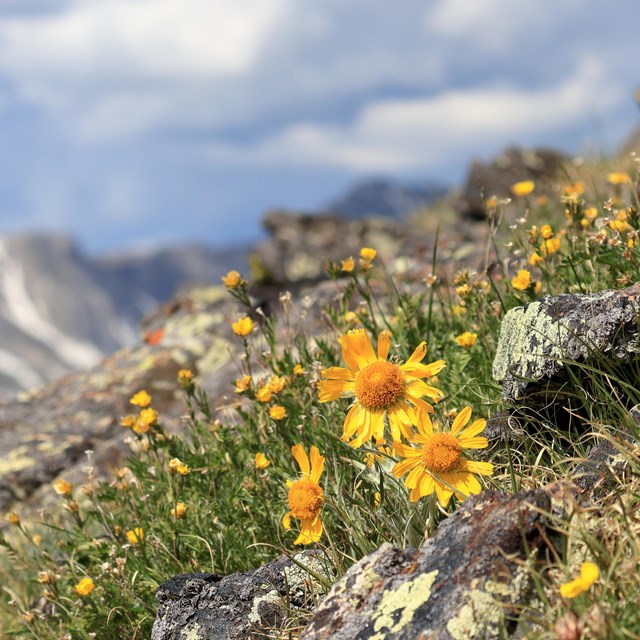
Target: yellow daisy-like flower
[277,412]
[62,487]
[380,387]
[231,280]
[243,326]
[180,510]
[438,462]
[135,536]
[141,399]
[524,188]
[347,265]
[467,339]
[522,281]
[84,587]
[306,496]
[261,461]
[588,575]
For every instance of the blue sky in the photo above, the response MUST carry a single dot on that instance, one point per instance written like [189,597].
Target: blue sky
[136,122]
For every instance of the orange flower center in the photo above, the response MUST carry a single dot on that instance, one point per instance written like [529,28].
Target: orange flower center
[305,499]
[441,453]
[379,385]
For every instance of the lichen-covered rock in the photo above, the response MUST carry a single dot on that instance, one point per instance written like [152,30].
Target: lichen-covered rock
[537,340]
[242,606]
[459,586]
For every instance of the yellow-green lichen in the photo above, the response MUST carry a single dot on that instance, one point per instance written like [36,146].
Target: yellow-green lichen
[192,633]
[17,459]
[406,599]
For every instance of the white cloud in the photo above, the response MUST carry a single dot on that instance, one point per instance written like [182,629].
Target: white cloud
[395,135]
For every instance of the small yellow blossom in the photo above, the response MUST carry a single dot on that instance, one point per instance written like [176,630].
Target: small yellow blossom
[135,536]
[535,259]
[242,384]
[180,510]
[463,290]
[491,203]
[62,487]
[550,246]
[618,177]
[524,188]
[14,518]
[127,422]
[576,188]
[591,213]
[351,317]
[588,575]
[277,384]
[466,339]
[347,265]
[261,461]
[277,412]
[546,231]
[522,281]
[37,539]
[145,420]
[264,394]
[368,254]
[298,370]
[141,399]
[185,377]
[84,587]
[231,280]
[458,310]
[243,326]
[177,466]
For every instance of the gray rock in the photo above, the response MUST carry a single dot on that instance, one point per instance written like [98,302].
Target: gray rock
[247,606]
[539,339]
[460,585]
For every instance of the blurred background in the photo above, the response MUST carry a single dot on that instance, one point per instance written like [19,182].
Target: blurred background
[132,129]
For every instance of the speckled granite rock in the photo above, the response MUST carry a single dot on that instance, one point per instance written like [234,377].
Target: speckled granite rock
[459,585]
[242,606]
[538,339]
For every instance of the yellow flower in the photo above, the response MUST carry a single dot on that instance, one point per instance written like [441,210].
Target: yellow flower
[231,280]
[264,394]
[135,536]
[467,339]
[306,496]
[458,310]
[277,412]
[347,265]
[618,177]
[368,254]
[185,377]
[588,575]
[145,420]
[298,370]
[62,487]
[180,510]
[242,384]
[351,317]
[141,399]
[576,188]
[127,422]
[14,518]
[550,246]
[491,203]
[524,188]
[619,223]
[522,281]
[84,587]
[243,326]
[381,388]
[535,259]
[438,462]
[261,461]
[546,231]
[463,290]
[277,384]
[177,466]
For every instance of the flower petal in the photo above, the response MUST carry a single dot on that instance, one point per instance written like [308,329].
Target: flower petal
[377,425]
[338,373]
[443,493]
[481,468]
[384,343]
[286,520]
[317,464]
[479,442]
[357,349]
[476,427]
[414,477]
[301,458]
[419,370]
[404,466]
[461,420]
[329,390]
[427,485]
[353,421]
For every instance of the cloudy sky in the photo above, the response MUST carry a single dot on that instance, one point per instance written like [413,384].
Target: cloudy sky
[129,122]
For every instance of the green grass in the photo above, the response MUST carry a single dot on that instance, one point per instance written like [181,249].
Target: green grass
[234,510]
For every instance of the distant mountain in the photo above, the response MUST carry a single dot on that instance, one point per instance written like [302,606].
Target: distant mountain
[385,197]
[62,310]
